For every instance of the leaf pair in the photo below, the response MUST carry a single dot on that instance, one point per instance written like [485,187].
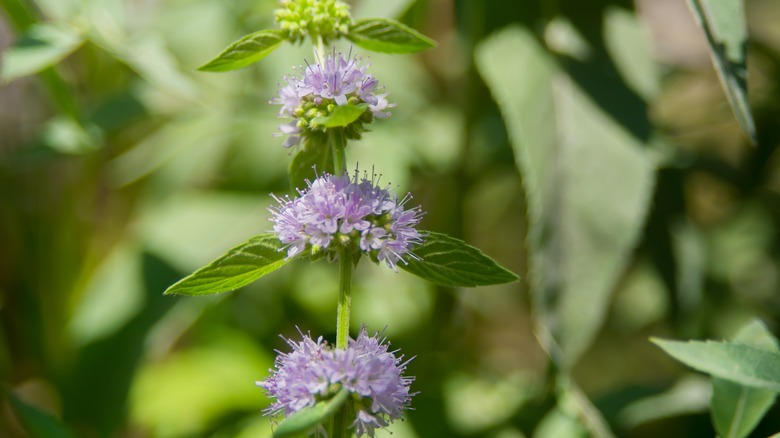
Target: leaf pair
[376,34]
[441,259]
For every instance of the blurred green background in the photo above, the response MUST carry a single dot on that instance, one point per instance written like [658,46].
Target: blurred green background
[122,169]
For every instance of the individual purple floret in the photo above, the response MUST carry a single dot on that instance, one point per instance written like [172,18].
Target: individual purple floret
[314,371]
[336,80]
[339,210]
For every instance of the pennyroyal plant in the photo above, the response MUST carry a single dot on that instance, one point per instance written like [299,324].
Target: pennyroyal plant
[356,384]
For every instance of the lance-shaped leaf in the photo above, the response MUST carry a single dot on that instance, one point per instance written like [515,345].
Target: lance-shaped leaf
[387,36]
[342,115]
[307,418]
[448,261]
[241,265]
[737,409]
[247,50]
[42,46]
[723,23]
[587,180]
[734,361]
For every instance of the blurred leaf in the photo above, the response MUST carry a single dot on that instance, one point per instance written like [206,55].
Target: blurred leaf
[723,23]
[315,158]
[67,135]
[112,296]
[42,46]
[342,115]
[558,423]
[737,409]
[310,416]
[96,389]
[242,265]
[588,184]
[166,400]
[387,36]
[629,49]
[37,423]
[188,138]
[733,361]
[373,8]
[474,405]
[451,262]
[247,50]
[190,228]
[151,59]
[689,395]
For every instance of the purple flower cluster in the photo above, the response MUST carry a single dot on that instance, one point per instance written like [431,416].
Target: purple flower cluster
[365,368]
[336,80]
[340,209]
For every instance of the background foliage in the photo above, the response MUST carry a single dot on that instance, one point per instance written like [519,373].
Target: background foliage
[588,146]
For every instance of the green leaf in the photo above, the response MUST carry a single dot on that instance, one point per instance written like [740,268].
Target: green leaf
[37,423]
[724,25]
[448,261]
[42,46]
[342,115]
[588,183]
[247,50]
[733,361]
[689,395]
[315,158]
[310,416]
[387,36]
[737,409]
[241,265]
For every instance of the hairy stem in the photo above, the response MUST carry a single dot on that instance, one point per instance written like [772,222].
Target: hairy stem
[338,144]
[345,288]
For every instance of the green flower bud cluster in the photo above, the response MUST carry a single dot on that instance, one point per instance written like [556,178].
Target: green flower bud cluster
[326,19]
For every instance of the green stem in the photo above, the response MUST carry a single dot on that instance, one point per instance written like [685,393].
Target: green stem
[345,300]
[340,420]
[338,144]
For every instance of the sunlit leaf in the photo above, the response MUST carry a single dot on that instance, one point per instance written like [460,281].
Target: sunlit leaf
[310,416]
[734,361]
[241,265]
[724,25]
[448,261]
[342,115]
[587,181]
[38,424]
[42,46]
[737,409]
[247,50]
[387,36]
[630,50]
